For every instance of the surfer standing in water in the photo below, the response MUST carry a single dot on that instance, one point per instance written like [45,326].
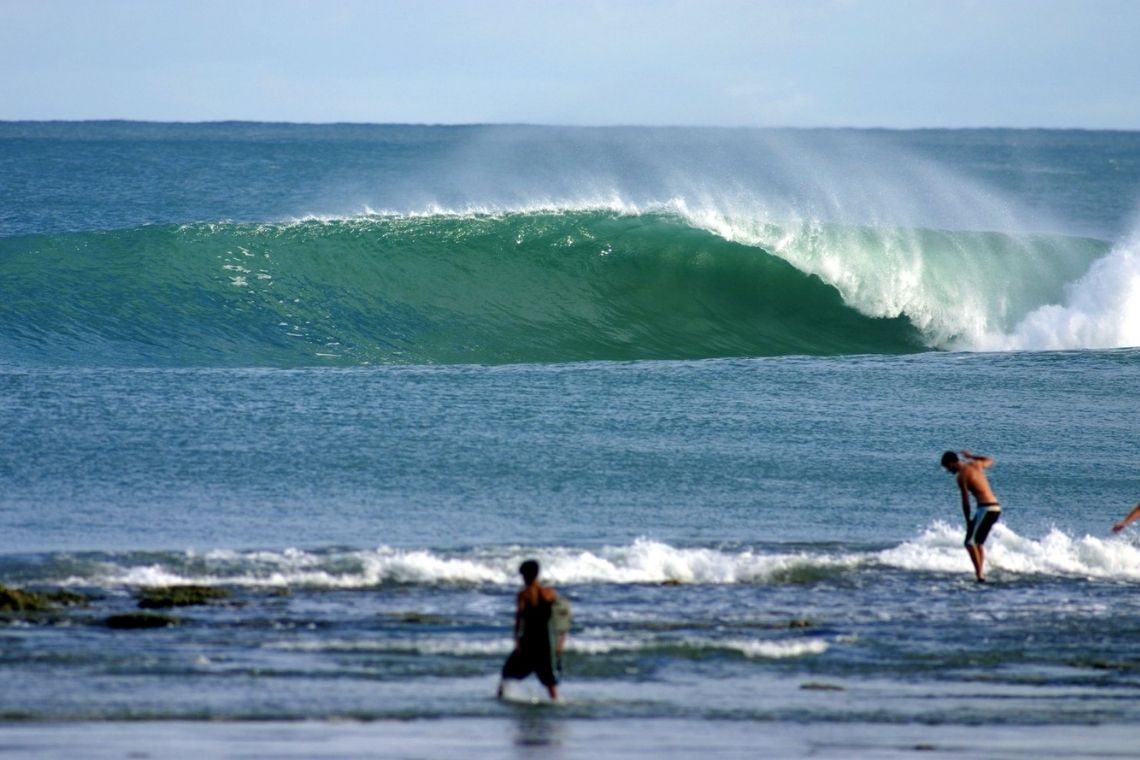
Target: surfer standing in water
[537,646]
[971,479]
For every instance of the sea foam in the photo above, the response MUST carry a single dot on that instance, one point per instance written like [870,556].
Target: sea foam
[1099,310]
[939,549]
[644,561]
[579,642]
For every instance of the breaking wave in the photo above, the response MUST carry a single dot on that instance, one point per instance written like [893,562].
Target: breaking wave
[549,285]
[644,561]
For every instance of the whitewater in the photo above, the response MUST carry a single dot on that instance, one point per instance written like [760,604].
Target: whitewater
[644,561]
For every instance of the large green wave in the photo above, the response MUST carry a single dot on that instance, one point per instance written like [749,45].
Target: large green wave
[445,288]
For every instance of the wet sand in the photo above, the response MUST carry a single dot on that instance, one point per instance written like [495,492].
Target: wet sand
[539,733]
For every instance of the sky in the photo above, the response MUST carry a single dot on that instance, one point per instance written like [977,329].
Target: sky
[800,63]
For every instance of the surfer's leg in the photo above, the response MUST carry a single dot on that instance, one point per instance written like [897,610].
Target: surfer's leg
[981,532]
[515,668]
[972,546]
[976,559]
[544,669]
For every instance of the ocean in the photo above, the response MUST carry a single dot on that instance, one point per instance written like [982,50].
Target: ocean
[348,377]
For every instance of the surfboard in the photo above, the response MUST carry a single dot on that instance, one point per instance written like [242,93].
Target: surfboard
[560,616]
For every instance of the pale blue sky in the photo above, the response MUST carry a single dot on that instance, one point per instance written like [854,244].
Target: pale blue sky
[861,63]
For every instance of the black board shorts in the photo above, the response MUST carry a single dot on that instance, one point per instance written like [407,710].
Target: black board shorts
[978,528]
[531,657]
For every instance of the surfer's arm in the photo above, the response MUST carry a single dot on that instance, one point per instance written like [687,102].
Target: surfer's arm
[981,459]
[1135,513]
[965,497]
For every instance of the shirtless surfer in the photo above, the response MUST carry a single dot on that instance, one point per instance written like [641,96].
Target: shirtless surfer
[971,479]
[537,645]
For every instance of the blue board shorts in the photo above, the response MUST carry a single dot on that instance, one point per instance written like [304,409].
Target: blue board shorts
[978,527]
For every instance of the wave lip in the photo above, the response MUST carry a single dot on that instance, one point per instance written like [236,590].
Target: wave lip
[963,290]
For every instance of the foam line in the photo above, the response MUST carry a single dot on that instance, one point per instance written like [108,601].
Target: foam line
[644,561]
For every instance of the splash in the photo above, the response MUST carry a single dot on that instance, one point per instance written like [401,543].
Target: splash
[1101,309]
[939,549]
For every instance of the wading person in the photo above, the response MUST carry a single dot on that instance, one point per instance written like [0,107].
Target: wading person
[538,643]
[971,478]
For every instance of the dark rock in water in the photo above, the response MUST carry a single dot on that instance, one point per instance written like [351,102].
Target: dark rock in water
[800,623]
[816,686]
[160,597]
[136,620]
[671,582]
[37,606]
[423,618]
[15,600]
[1107,665]
[67,598]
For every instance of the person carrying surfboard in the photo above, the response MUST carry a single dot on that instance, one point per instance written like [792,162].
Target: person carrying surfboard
[541,621]
[971,479]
